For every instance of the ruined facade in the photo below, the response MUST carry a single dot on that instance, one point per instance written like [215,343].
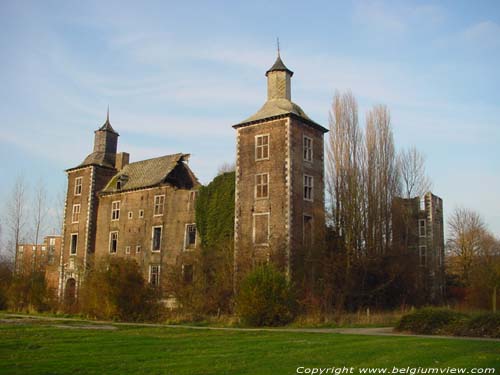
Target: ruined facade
[279,198]
[142,210]
[418,229]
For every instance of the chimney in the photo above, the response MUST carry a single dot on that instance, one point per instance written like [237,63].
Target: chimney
[122,159]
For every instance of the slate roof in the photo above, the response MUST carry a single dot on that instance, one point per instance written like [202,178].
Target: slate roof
[97,158]
[279,65]
[107,127]
[144,173]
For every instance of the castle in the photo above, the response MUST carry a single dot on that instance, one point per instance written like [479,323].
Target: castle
[145,210]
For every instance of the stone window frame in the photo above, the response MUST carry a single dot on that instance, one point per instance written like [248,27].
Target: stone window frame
[159,205]
[192,198]
[422,233]
[141,214]
[138,249]
[308,190]
[304,229]
[188,247]
[268,214]
[130,215]
[262,147]
[308,150]
[157,274]
[115,210]
[73,245]
[111,249]
[75,213]
[78,185]
[153,238]
[127,250]
[259,187]
[184,266]
[422,255]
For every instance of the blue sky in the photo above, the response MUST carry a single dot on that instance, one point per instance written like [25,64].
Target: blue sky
[177,75]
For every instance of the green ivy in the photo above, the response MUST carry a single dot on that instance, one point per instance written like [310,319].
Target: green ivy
[215,211]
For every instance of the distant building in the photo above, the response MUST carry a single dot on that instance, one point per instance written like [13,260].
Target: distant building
[280,210]
[43,257]
[142,211]
[418,229]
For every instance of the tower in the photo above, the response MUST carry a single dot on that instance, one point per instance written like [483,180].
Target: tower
[80,210]
[279,203]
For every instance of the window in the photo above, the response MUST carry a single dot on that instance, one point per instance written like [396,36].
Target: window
[262,147]
[113,242]
[127,250]
[130,215]
[156,240]
[154,274]
[78,186]
[73,244]
[52,241]
[307,234]
[21,249]
[422,230]
[308,188]
[192,198]
[138,249]
[262,185]
[159,201]
[75,216]
[141,214]
[115,210]
[261,229]
[308,149]
[187,273]
[422,254]
[44,248]
[190,239]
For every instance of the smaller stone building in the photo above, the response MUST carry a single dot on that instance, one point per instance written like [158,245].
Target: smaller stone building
[418,229]
[42,257]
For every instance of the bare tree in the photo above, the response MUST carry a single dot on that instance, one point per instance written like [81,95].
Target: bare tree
[466,234]
[16,215]
[58,204]
[414,179]
[225,168]
[39,211]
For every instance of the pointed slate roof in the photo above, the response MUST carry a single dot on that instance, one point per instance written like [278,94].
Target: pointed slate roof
[279,66]
[107,125]
[144,173]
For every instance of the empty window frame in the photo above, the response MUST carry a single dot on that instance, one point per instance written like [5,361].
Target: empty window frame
[113,242]
[308,187]
[115,210]
[262,147]
[156,238]
[78,186]
[422,253]
[190,236]
[262,185]
[261,228]
[141,214]
[158,206]
[308,149]
[422,228]
[138,249]
[73,244]
[187,273]
[130,215]
[154,274]
[75,215]
[127,249]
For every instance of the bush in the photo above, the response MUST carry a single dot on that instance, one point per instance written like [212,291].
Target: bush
[431,321]
[116,290]
[481,325]
[28,292]
[265,298]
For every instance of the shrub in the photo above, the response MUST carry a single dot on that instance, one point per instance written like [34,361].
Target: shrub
[117,290]
[431,321]
[481,325]
[265,298]
[28,292]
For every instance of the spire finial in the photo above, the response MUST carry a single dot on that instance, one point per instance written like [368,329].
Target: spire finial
[107,115]
[278,45]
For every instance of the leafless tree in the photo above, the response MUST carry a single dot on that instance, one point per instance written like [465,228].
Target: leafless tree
[16,214]
[225,168]
[58,204]
[414,179]
[39,211]
[466,233]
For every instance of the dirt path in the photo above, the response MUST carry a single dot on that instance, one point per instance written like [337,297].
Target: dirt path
[106,325]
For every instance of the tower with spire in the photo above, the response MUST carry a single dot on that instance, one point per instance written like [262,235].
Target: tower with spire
[279,204]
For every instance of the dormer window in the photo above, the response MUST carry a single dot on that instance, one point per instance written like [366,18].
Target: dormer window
[118,185]
[121,181]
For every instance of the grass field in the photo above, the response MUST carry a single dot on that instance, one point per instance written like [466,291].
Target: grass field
[63,348]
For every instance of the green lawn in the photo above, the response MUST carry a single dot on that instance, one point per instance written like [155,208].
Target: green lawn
[44,349]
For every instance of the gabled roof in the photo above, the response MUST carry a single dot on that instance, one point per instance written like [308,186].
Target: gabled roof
[145,173]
